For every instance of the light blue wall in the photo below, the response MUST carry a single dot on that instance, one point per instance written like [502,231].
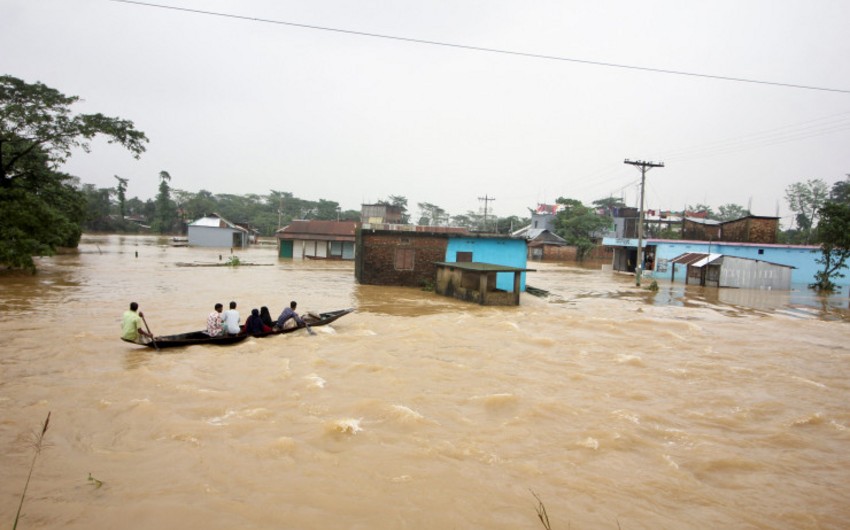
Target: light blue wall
[802,258]
[498,251]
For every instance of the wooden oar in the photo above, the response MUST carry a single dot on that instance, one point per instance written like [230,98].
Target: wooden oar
[149,333]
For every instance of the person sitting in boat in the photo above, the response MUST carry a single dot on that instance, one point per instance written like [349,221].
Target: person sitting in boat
[230,320]
[266,317]
[131,326]
[214,322]
[289,318]
[254,324]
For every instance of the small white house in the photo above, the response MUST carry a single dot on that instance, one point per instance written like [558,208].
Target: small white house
[216,231]
[719,270]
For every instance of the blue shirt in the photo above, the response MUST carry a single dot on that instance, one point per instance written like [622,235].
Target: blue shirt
[286,315]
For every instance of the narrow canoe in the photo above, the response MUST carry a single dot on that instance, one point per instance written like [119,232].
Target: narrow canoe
[194,338]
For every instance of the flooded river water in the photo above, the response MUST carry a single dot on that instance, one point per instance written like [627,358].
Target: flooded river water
[616,406]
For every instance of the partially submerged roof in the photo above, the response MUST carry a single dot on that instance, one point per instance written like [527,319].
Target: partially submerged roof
[695,259]
[701,221]
[539,235]
[316,229]
[216,221]
[477,266]
[698,260]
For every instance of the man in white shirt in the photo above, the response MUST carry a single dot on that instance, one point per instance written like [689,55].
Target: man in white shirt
[230,320]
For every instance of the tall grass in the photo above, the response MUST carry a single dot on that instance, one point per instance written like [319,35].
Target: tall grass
[38,445]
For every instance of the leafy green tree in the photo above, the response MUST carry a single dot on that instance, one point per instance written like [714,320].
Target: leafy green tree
[580,225]
[430,214]
[36,120]
[841,191]
[833,234]
[699,207]
[506,225]
[122,195]
[730,212]
[327,210]
[42,208]
[351,215]
[805,200]
[166,211]
[608,204]
[401,202]
[98,209]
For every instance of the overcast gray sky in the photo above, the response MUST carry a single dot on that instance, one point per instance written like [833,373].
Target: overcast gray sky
[239,106]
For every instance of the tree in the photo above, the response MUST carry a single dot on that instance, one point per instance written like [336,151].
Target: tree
[36,120]
[327,210]
[608,204]
[122,195]
[400,202]
[166,211]
[580,225]
[42,208]
[700,208]
[841,191]
[805,200]
[834,236]
[430,214]
[730,212]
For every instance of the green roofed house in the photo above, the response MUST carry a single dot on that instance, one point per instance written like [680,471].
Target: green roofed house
[317,239]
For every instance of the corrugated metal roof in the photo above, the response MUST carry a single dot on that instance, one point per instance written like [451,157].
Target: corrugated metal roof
[316,229]
[696,259]
[216,221]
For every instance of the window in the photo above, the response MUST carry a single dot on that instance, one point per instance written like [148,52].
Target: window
[463,257]
[404,259]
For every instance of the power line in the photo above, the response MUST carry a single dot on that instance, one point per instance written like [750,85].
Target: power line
[482,48]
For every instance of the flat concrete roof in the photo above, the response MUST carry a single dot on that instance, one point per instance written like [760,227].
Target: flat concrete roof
[478,266]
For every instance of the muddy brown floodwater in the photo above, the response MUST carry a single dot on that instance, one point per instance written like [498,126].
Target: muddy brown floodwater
[617,407]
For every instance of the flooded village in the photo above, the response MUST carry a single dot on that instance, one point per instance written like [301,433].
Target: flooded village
[384,266]
[602,402]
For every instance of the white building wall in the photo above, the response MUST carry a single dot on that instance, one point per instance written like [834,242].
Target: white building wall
[744,273]
[207,236]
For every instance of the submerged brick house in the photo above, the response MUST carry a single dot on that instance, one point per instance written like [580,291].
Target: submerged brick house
[410,257]
[400,257]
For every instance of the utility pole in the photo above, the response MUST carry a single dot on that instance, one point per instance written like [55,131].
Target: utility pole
[486,200]
[644,167]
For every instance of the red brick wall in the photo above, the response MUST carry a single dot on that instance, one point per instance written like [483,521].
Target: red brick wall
[376,258]
[569,253]
[751,230]
[700,232]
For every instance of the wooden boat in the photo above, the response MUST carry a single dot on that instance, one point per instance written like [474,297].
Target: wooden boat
[313,320]
[194,338]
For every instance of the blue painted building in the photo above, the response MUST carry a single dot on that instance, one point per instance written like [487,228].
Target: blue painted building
[658,254]
[506,251]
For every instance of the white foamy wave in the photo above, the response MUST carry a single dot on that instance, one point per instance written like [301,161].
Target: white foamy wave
[631,360]
[671,462]
[315,381]
[814,419]
[346,426]
[838,426]
[589,443]
[406,413]
[221,420]
[808,382]
[627,416]
[260,413]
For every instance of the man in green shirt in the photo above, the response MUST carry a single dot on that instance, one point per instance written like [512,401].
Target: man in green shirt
[131,326]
